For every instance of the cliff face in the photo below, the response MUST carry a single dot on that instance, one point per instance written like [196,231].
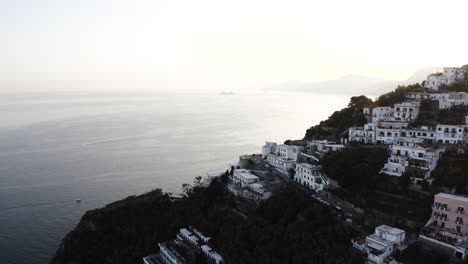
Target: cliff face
[121,232]
[288,228]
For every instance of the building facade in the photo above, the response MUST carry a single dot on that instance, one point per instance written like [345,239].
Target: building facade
[447,227]
[382,244]
[310,176]
[450,75]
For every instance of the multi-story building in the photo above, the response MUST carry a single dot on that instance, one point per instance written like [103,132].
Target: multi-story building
[244,177]
[447,229]
[287,151]
[406,111]
[284,158]
[280,163]
[268,148]
[412,153]
[449,134]
[357,134]
[366,134]
[185,248]
[428,135]
[381,113]
[244,183]
[449,76]
[387,132]
[310,176]
[382,244]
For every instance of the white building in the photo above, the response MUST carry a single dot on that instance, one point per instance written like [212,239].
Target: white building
[406,111]
[411,152]
[449,76]
[284,157]
[387,132]
[324,146]
[268,148]
[211,254]
[287,151]
[453,99]
[381,113]
[382,244]
[357,134]
[184,249]
[310,176]
[170,255]
[245,184]
[428,135]
[243,178]
[257,192]
[449,134]
[280,163]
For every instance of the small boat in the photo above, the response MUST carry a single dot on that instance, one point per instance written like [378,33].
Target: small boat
[226,93]
[78,200]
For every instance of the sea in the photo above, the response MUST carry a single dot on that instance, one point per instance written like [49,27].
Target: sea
[56,148]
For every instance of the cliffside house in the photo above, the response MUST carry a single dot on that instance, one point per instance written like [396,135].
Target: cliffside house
[380,246]
[447,228]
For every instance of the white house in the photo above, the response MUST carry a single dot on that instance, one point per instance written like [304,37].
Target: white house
[382,244]
[287,151]
[428,135]
[411,152]
[243,178]
[324,146]
[280,163]
[406,111]
[453,99]
[449,134]
[284,157]
[257,192]
[381,114]
[268,148]
[449,76]
[387,132]
[357,134]
[310,176]
[214,256]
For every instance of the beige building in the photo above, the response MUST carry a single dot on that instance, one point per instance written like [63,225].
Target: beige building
[448,226]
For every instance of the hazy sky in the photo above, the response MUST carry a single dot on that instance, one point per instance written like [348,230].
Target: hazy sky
[223,45]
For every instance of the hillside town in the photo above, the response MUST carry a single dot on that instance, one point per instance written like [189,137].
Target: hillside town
[413,151]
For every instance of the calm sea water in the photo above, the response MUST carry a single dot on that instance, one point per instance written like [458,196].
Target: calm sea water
[57,148]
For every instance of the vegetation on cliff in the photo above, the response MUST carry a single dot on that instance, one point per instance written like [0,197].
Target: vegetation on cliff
[333,127]
[288,228]
[356,170]
[430,115]
[341,120]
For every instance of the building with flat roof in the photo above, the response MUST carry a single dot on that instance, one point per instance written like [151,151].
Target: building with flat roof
[447,228]
[450,75]
[184,249]
[310,176]
[382,244]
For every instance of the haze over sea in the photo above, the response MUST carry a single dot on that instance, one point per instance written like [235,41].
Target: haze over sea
[56,148]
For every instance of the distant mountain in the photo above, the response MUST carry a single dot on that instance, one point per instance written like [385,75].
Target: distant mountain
[421,75]
[354,84]
[349,84]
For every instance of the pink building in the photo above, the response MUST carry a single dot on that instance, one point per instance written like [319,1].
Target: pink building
[448,226]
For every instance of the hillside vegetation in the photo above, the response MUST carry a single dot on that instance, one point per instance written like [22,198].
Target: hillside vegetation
[288,228]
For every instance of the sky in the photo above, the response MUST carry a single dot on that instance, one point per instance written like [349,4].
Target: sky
[116,45]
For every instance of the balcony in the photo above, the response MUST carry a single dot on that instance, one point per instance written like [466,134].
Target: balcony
[460,212]
[459,222]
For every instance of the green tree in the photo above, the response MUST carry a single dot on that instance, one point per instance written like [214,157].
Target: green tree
[359,102]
